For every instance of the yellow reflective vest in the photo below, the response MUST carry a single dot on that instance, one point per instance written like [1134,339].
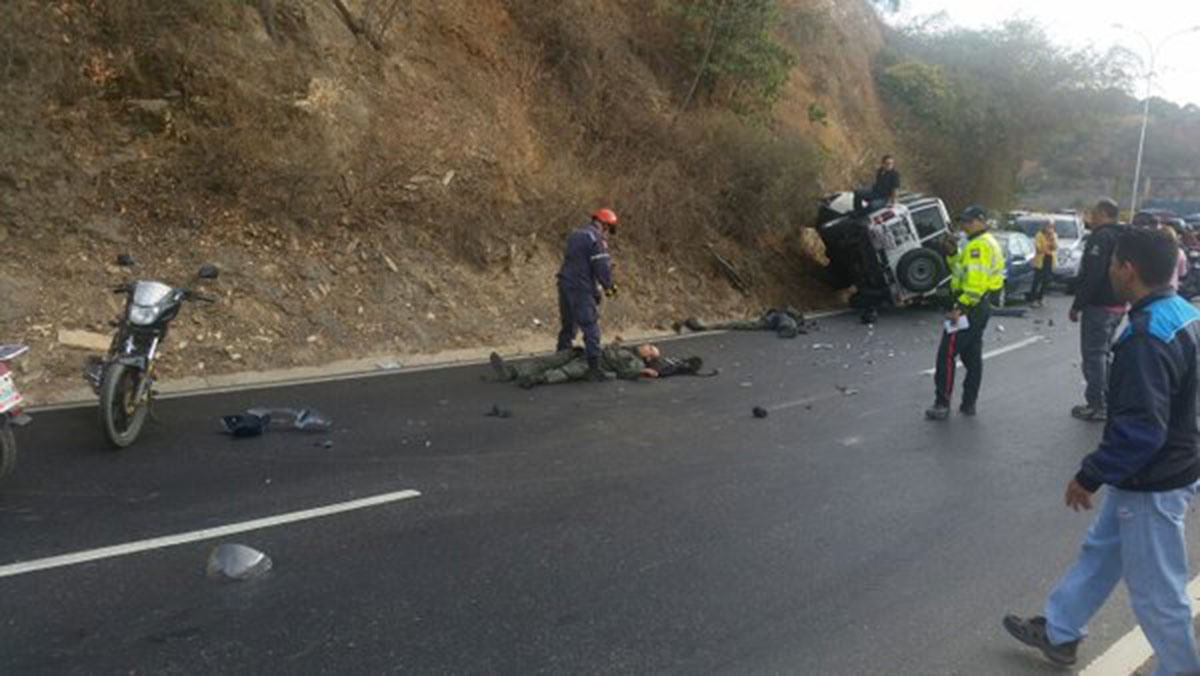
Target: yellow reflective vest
[977,269]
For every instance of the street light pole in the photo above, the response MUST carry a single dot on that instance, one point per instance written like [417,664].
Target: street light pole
[1154,50]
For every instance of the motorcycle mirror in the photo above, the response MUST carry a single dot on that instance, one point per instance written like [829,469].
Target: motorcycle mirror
[125,260]
[208,271]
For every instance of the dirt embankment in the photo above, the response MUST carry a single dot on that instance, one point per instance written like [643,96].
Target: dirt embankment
[400,183]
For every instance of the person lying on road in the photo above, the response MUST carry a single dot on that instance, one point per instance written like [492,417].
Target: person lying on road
[787,322]
[629,363]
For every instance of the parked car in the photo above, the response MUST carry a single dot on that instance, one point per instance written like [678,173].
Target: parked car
[893,255]
[1071,233]
[1019,272]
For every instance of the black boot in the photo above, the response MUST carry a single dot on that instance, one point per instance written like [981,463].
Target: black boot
[594,374]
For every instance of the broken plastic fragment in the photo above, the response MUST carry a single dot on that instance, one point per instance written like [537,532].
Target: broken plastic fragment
[232,561]
[307,419]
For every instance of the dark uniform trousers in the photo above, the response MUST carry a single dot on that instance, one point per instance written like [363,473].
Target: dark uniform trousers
[966,345]
[577,311]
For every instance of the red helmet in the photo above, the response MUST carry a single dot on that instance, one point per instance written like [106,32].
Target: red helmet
[606,216]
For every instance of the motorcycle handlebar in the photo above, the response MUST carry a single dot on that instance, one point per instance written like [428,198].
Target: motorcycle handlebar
[192,295]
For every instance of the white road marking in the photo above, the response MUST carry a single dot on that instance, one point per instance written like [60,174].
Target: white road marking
[74,558]
[1001,350]
[1132,650]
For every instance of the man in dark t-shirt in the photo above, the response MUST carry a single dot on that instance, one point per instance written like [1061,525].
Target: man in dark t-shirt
[887,183]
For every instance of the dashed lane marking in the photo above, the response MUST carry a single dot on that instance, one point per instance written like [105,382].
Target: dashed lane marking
[74,558]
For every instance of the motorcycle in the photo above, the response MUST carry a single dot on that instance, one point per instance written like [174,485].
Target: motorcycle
[12,413]
[124,379]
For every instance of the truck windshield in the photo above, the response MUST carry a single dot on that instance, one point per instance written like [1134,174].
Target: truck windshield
[928,221]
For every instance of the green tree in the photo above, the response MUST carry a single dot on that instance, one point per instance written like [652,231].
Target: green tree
[739,62]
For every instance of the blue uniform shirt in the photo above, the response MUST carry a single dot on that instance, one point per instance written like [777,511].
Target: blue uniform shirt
[587,261]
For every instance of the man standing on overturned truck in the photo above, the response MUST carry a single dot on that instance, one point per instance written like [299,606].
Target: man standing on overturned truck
[586,271]
[977,273]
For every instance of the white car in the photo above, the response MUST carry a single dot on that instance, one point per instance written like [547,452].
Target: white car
[1071,234]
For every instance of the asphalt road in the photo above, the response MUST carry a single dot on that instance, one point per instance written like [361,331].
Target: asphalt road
[648,528]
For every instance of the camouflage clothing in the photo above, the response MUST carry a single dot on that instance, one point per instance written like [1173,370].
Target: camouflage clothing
[787,322]
[570,365]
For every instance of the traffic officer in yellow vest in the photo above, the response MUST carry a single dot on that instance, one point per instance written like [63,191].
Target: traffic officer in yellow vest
[977,274]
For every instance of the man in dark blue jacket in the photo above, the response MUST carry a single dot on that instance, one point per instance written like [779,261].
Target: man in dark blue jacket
[1148,457]
[586,271]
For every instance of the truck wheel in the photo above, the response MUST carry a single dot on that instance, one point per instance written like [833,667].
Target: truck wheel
[920,270]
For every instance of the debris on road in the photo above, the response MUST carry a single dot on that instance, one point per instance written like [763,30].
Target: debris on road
[232,561]
[1009,312]
[847,391]
[498,412]
[256,421]
[822,346]
[759,412]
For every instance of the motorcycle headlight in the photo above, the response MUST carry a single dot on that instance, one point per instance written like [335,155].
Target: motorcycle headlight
[142,316]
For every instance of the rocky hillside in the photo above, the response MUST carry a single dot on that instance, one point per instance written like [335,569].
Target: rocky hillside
[384,178]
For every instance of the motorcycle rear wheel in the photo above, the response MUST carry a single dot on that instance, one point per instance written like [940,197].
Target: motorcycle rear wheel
[121,417]
[8,447]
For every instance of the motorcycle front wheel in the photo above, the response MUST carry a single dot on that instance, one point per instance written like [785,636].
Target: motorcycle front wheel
[121,414]
[8,447]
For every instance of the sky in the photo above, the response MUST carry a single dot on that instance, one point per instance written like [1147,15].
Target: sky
[1082,23]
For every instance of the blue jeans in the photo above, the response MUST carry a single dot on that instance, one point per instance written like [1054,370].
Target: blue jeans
[1138,536]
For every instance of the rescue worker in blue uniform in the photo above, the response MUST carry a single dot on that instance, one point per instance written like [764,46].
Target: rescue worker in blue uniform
[586,272]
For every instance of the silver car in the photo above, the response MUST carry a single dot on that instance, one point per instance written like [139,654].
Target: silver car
[1071,234]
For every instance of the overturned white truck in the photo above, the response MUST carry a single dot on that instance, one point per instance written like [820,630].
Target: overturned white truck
[892,255]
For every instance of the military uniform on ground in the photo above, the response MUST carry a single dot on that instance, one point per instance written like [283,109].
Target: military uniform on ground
[564,366]
[788,322]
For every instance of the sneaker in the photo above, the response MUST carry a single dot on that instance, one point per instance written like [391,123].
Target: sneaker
[527,383]
[1032,632]
[937,412]
[1089,413]
[967,409]
[595,376]
[503,371]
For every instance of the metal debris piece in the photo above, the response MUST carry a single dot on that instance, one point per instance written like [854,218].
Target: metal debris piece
[231,561]
[759,412]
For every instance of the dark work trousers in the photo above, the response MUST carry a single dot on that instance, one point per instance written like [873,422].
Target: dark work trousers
[577,311]
[1097,329]
[966,345]
[1042,279]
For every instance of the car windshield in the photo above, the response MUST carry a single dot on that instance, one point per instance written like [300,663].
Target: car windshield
[1067,227]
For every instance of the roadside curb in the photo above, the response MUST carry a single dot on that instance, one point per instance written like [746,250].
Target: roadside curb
[353,369]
